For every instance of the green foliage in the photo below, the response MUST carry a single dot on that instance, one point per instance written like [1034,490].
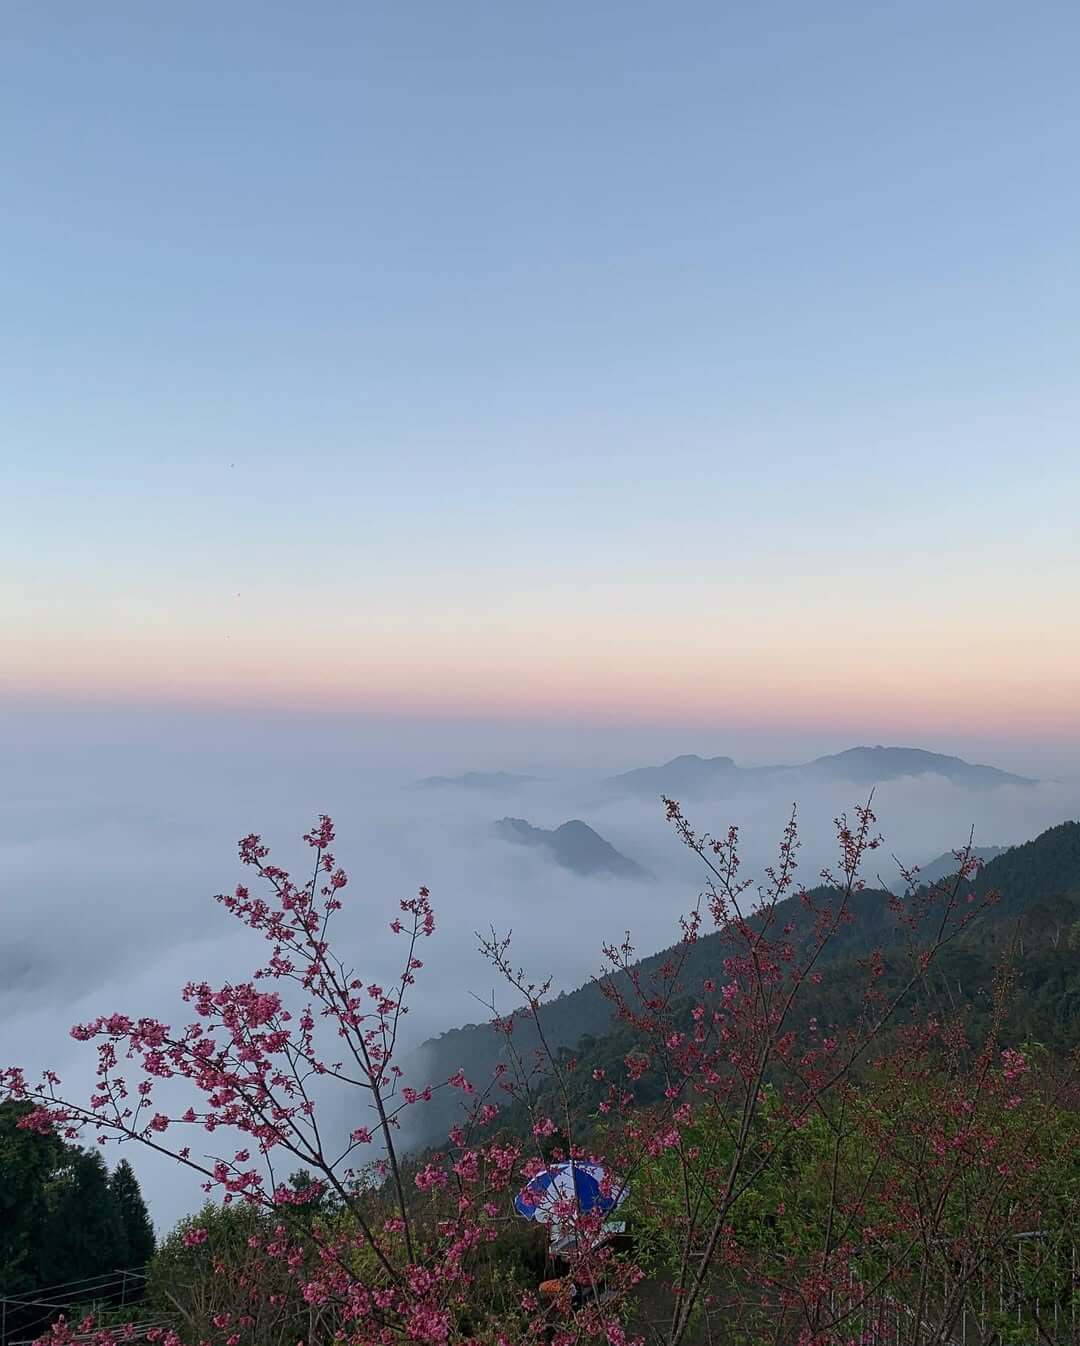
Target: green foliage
[134,1216]
[27,1162]
[228,1229]
[831,1181]
[83,1227]
[1045,867]
[228,1274]
[1037,917]
[63,1218]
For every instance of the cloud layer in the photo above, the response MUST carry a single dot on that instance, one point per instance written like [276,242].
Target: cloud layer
[111,850]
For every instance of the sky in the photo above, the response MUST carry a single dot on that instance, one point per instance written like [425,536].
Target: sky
[611,365]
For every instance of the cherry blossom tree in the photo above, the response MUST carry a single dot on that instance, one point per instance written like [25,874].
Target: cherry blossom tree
[908,1150]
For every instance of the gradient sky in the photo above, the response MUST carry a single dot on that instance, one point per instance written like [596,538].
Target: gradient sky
[714,363]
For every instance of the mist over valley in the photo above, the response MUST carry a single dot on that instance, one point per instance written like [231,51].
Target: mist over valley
[112,852]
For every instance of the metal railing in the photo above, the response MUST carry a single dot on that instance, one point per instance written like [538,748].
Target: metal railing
[30,1314]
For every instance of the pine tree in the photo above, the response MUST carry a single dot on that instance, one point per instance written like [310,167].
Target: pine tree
[139,1232]
[83,1232]
[27,1161]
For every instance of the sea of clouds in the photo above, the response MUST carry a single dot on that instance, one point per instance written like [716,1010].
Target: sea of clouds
[114,836]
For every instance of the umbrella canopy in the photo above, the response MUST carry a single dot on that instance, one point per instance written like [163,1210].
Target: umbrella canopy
[582,1184]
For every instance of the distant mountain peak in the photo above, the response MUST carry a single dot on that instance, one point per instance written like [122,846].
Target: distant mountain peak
[475,780]
[574,845]
[689,775]
[716,763]
[946,865]
[685,775]
[867,765]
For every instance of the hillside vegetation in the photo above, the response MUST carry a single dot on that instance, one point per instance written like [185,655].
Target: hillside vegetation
[1037,912]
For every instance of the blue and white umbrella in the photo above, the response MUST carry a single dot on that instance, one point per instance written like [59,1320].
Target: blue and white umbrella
[552,1190]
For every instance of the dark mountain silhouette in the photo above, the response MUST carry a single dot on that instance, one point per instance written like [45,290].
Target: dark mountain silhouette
[868,766]
[475,780]
[683,777]
[690,776]
[574,845]
[1039,887]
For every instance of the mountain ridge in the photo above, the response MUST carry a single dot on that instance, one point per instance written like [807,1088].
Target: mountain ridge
[690,775]
[475,780]
[1039,884]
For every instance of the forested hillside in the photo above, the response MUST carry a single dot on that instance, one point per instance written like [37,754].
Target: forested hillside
[1038,912]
